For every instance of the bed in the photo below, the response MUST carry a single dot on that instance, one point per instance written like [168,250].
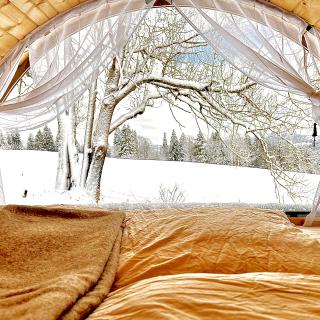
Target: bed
[215,263]
[210,263]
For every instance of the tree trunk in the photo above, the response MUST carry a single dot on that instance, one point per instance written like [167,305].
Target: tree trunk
[67,173]
[87,149]
[63,171]
[101,134]
[72,149]
[100,151]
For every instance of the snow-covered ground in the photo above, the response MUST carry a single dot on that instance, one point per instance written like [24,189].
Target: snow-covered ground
[137,181]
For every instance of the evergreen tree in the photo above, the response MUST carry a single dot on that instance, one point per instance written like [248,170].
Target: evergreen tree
[189,145]
[135,144]
[199,152]
[16,143]
[257,158]
[116,142]
[127,148]
[165,148]
[3,142]
[47,139]
[58,140]
[174,148]
[155,152]
[9,141]
[215,150]
[38,141]
[253,151]
[144,148]
[30,142]
[183,148]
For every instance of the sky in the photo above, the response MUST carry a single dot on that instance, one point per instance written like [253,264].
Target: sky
[152,124]
[159,119]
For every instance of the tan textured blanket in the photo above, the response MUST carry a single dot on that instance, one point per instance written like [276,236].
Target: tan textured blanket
[56,262]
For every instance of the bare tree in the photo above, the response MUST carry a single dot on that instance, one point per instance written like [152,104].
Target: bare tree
[166,59]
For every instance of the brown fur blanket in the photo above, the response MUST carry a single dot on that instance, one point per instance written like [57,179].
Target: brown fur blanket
[56,262]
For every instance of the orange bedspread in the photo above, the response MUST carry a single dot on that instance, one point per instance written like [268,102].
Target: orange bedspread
[213,240]
[250,296]
[215,263]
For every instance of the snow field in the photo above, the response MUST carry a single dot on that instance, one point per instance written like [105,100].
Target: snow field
[138,181]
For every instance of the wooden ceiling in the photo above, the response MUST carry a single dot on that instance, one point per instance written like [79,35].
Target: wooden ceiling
[20,17]
[308,10]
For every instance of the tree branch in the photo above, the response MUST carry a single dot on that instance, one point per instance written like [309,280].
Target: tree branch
[140,109]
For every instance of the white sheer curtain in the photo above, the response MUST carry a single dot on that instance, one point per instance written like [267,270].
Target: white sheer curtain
[9,68]
[313,219]
[65,62]
[2,199]
[257,40]
[259,51]
[260,40]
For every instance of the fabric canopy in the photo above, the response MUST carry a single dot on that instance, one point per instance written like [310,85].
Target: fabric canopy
[2,199]
[65,61]
[20,20]
[269,46]
[274,48]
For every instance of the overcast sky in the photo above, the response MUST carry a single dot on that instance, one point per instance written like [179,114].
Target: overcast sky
[152,124]
[157,120]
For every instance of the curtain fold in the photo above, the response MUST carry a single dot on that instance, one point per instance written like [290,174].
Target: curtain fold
[313,218]
[2,198]
[9,68]
[264,54]
[66,61]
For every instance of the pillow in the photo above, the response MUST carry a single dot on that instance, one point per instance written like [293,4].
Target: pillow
[213,240]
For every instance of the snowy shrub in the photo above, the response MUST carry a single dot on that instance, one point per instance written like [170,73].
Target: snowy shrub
[172,195]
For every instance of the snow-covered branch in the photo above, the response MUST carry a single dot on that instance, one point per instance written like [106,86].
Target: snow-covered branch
[138,110]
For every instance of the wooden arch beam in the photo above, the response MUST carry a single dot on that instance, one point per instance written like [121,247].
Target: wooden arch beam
[23,67]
